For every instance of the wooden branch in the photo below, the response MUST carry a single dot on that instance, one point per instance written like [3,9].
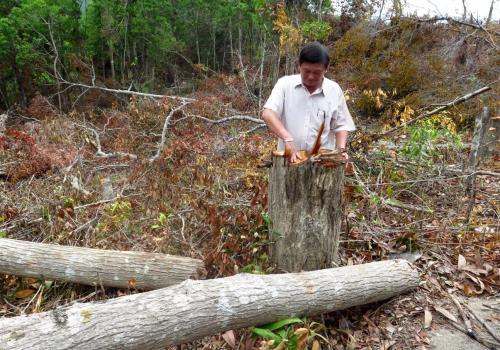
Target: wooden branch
[435,111]
[234,117]
[128,92]
[161,145]
[452,20]
[484,324]
[486,173]
[467,322]
[398,204]
[194,309]
[100,153]
[123,269]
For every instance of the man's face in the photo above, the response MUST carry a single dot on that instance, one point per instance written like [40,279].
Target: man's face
[312,74]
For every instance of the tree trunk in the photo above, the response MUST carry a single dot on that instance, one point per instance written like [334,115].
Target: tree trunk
[95,267]
[112,60]
[57,76]
[305,207]
[490,13]
[477,144]
[478,150]
[20,82]
[194,309]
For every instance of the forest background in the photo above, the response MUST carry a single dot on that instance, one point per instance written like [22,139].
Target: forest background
[135,125]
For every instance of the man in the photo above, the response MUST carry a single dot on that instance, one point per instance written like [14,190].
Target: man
[300,104]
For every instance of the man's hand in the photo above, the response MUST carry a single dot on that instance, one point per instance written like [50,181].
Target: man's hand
[349,170]
[291,152]
[344,154]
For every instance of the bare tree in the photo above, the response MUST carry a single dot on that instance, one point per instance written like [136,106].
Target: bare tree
[490,14]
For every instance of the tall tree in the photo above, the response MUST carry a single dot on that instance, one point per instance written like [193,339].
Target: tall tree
[36,38]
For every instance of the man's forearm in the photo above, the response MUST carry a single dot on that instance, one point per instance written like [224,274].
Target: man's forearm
[275,125]
[341,138]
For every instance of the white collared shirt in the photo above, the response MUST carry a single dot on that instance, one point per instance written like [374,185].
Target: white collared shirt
[302,112]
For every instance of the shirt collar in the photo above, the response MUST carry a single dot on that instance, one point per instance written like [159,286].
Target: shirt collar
[319,90]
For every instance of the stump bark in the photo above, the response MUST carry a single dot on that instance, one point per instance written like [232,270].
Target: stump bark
[194,309]
[95,267]
[306,209]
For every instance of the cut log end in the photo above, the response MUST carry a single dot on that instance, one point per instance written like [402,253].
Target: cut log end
[324,157]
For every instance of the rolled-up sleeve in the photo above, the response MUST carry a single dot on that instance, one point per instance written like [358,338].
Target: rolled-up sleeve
[276,100]
[343,120]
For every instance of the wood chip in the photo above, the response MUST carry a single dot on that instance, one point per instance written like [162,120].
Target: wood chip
[427,318]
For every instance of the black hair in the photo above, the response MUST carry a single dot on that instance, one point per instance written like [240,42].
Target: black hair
[314,53]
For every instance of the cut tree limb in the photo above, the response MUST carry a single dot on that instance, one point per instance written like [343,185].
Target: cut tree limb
[194,309]
[436,110]
[96,267]
[161,145]
[127,92]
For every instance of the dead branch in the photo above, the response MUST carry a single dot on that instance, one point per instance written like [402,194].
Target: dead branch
[490,38]
[128,92]
[367,193]
[100,152]
[452,20]
[234,117]
[436,110]
[483,323]
[161,145]
[487,173]
[467,322]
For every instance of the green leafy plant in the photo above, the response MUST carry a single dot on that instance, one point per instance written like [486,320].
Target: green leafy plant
[280,332]
[260,241]
[316,30]
[46,214]
[423,138]
[161,220]
[121,210]
[117,214]
[283,334]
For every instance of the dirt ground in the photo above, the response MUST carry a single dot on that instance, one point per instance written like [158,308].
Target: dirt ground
[447,337]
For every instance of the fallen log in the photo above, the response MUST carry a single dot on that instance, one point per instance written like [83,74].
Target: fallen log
[197,308]
[95,267]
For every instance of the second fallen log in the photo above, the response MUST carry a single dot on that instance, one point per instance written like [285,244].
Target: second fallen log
[194,309]
[96,267]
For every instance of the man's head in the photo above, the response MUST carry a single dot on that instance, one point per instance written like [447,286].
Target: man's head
[313,62]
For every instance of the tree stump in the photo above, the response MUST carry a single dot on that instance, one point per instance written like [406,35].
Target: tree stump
[305,206]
